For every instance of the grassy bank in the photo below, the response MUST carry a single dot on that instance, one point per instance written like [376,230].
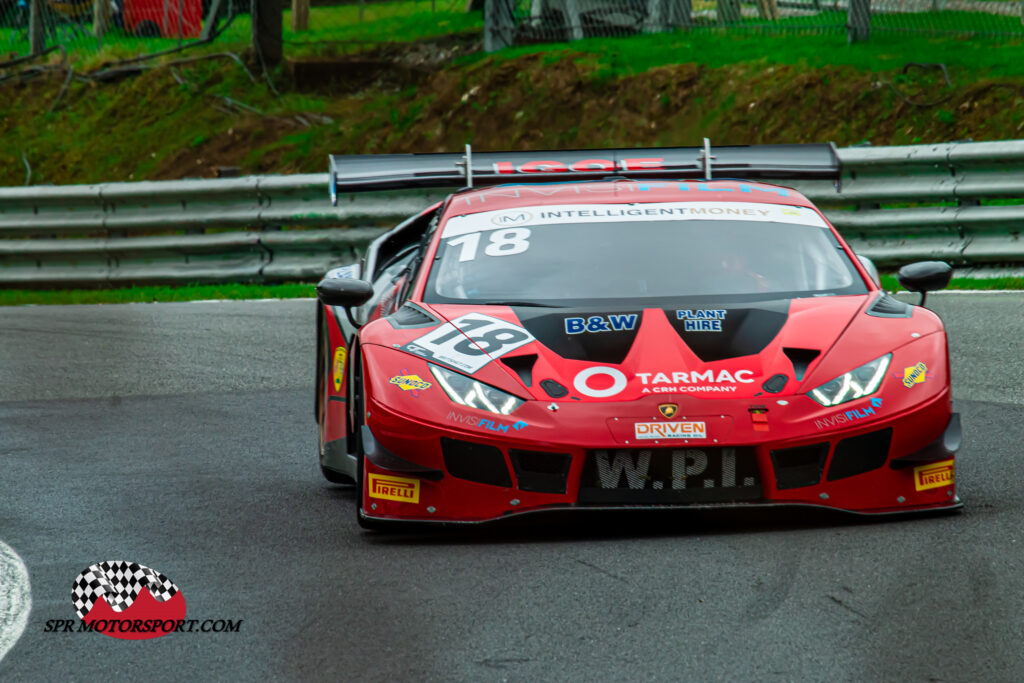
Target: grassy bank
[189,119]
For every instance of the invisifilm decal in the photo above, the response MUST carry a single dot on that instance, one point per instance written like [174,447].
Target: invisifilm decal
[854,414]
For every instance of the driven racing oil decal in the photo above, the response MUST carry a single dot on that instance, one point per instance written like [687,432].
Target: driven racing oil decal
[127,600]
[670,430]
[935,475]
[394,488]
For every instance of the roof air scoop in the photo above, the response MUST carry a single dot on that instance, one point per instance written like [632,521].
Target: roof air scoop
[801,360]
[522,366]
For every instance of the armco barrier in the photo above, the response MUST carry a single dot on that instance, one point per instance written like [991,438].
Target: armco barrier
[959,202]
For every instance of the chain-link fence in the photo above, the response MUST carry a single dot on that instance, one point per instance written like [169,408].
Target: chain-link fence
[517,22]
[122,28]
[130,28]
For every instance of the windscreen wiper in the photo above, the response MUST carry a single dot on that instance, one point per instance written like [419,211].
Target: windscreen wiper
[520,303]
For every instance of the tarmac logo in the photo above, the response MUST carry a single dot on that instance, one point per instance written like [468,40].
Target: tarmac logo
[935,475]
[394,488]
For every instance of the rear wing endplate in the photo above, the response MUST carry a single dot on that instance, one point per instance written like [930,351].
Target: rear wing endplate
[366,172]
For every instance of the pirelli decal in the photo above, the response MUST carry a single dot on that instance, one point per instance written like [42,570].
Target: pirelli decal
[395,488]
[935,475]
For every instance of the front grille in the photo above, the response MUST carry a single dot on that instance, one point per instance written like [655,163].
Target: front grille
[860,454]
[801,466]
[475,462]
[540,471]
[670,476]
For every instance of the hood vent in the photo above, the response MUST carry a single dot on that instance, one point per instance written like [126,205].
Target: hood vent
[522,366]
[886,306]
[553,388]
[801,360]
[409,315]
[775,384]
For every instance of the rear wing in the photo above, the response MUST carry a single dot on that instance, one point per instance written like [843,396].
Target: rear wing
[366,172]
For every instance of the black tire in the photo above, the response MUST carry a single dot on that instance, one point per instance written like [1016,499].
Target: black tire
[336,477]
[360,412]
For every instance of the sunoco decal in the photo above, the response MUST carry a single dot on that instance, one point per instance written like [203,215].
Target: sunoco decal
[934,476]
[410,382]
[915,374]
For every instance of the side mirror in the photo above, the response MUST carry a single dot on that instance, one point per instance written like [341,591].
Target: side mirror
[924,277]
[869,266]
[344,292]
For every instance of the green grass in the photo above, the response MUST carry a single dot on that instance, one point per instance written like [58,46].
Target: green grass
[889,283]
[718,47]
[20,297]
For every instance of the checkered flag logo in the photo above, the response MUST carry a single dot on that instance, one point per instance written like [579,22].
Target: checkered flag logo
[119,583]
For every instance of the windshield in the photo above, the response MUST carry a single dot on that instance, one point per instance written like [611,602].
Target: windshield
[571,255]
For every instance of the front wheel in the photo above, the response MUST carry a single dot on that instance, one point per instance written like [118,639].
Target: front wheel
[361,518]
[359,400]
[335,477]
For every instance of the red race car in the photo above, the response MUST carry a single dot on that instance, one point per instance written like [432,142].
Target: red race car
[625,329]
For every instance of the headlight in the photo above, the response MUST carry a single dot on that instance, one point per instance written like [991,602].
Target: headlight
[468,392]
[858,383]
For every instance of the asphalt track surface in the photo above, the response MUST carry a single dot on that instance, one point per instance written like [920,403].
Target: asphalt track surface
[181,436]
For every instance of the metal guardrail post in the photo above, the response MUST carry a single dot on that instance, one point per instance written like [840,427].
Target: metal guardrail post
[36,28]
[858,21]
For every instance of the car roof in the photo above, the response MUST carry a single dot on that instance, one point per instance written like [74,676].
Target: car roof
[622,191]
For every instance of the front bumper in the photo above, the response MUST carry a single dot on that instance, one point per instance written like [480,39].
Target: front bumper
[420,471]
